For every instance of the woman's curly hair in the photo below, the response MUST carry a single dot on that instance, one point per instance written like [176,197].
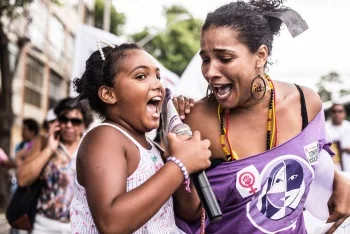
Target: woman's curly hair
[252,26]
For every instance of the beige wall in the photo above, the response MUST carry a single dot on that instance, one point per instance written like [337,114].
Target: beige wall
[70,16]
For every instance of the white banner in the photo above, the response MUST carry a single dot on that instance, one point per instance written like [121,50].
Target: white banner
[85,44]
[192,83]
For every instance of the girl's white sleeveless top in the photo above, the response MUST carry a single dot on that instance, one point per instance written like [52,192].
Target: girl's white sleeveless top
[150,162]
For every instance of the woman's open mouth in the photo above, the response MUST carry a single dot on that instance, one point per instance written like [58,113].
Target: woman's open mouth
[222,91]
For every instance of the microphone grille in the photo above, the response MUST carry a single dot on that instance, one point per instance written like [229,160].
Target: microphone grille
[182,129]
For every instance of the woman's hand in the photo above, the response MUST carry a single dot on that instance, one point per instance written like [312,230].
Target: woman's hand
[53,138]
[339,203]
[183,105]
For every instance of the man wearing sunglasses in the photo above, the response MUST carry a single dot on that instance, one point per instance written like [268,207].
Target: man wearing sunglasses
[339,129]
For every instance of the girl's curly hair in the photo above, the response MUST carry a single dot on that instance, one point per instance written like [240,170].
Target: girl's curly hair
[99,73]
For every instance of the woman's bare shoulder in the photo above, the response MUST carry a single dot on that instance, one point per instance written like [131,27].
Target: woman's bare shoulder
[201,105]
[200,114]
[290,96]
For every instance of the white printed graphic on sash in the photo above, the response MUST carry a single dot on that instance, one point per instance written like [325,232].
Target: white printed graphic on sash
[276,206]
[247,182]
[311,151]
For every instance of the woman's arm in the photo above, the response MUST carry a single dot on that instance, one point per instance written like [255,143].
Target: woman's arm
[37,157]
[20,156]
[187,205]
[104,172]
[339,203]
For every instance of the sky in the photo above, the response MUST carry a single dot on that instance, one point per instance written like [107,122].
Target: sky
[319,50]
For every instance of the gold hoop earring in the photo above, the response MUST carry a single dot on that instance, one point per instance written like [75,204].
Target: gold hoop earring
[258,88]
[209,92]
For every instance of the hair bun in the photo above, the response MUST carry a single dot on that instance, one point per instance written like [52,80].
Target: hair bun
[275,24]
[267,5]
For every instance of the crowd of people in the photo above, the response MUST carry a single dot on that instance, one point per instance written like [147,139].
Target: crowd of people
[339,130]
[261,141]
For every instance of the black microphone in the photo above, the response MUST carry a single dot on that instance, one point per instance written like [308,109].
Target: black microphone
[207,196]
[171,122]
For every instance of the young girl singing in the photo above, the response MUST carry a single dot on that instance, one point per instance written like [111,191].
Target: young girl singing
[122,184]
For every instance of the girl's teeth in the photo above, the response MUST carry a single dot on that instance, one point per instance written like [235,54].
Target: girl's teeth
[156,99]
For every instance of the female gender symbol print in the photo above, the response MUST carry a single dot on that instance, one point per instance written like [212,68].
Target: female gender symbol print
[247,180]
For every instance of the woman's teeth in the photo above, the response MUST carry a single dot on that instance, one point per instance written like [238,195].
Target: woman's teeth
[222,90]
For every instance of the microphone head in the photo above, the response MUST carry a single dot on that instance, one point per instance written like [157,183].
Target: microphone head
[182,129]
[166,113]
[171,121]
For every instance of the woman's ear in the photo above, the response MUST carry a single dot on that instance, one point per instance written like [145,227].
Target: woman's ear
[262,54]
[107,95]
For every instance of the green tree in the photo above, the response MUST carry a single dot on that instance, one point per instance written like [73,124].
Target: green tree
[331,86]
[117,19]
[344,92]
[176,45]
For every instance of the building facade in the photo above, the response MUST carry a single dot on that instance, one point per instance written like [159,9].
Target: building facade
[44,67]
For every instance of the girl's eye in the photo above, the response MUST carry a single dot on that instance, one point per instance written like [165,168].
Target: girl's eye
[158,77]
[141,77]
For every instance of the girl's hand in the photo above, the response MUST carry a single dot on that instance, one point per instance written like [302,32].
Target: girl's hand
[193,153]
[183,105]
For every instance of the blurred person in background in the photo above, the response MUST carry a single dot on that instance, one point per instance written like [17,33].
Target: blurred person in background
[339,129]
[3,157]
[30,130]
[52,159]
[49,120]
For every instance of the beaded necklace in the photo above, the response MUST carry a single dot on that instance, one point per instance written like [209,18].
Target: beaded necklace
[271,126]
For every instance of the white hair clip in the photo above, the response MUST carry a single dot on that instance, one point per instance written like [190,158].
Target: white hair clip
[100,47]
